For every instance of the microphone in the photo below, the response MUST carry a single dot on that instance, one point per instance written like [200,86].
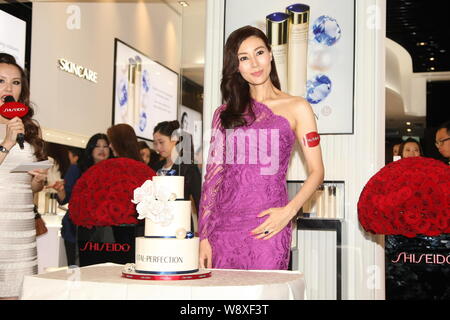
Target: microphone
[11,109]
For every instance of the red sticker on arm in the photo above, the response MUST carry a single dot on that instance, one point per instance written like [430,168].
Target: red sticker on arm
[311,139]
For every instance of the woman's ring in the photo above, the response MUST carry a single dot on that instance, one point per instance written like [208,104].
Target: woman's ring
[266,231]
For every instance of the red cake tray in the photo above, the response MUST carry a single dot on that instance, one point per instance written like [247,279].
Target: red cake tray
[201,274]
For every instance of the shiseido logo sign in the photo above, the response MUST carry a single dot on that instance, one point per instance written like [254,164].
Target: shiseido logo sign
[19,109]
[77,70]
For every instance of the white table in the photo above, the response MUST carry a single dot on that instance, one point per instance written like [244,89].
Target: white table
[105,282]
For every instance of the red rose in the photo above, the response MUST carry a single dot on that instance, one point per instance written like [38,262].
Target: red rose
[412,217]
[407,197]
[102,195]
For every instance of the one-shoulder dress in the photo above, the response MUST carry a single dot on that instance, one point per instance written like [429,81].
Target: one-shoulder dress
[245,175]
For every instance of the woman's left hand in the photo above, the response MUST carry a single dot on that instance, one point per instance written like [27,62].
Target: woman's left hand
[39,175]
[277,220]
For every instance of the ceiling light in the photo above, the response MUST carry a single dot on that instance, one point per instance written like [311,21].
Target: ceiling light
[421,43]
[432,59]
[408,123]
[432,68]
[183,3]
[409,130]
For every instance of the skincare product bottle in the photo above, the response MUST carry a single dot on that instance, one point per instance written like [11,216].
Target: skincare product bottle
[333,202]
[307,207]
[320,202]
[137,92]
[313,204]
[277,32]
[313,207]
[131,90]
[47,202]
[298,48]
[326,202]
[339,203]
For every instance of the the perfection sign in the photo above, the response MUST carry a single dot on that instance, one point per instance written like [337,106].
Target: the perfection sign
[77,70]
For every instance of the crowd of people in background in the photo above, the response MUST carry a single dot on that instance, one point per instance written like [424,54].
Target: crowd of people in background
[119,141]
[412,147]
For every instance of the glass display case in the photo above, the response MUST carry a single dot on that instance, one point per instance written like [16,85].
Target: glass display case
[317,242]
[326,203]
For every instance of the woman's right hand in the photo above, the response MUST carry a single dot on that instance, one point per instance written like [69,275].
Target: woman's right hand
[13,128]
[205,255]
[58,186]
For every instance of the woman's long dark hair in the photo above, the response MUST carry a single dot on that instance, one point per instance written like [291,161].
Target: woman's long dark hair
[32,134]
[87,160]
[124,141]
[235,89]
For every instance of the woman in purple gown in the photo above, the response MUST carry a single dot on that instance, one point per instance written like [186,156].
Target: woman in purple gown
[245,215]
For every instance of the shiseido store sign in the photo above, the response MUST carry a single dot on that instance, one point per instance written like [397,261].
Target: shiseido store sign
[75,69]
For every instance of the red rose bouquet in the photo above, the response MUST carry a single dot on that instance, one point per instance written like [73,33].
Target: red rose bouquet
[102,195]
[407,197]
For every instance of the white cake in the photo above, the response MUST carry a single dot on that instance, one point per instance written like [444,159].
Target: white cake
[170,247]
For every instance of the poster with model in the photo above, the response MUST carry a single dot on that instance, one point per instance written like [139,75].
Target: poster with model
[191,122]
[313,47]
[145,92]
[13,36]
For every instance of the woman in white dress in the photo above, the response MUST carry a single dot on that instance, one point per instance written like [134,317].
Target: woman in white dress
[18,253]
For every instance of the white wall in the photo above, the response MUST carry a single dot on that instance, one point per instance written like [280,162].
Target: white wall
[71,109]
[193,51]
[401,79]
[194,35]
[352,158]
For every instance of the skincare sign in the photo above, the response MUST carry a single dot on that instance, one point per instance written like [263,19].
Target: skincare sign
[145,92]
[79,71]
[12,36]
[313,47]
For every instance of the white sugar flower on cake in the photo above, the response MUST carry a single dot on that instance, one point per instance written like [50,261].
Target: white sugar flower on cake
[153,203]
[146,190]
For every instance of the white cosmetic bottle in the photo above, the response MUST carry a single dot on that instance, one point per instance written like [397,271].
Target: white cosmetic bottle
[326,203]
[333,202]
[137,92]
[339,203]
[131,90]
[277,33]
[298,48]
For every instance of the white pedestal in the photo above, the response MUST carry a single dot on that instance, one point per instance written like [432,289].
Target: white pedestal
[50,246]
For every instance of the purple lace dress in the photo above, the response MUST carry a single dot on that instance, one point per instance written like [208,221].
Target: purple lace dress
[242,182]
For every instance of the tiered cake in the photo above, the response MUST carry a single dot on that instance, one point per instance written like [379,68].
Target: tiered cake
[169,245]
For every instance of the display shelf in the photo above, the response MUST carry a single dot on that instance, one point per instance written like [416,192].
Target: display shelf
[326,203]
[327,225]
[324,211]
